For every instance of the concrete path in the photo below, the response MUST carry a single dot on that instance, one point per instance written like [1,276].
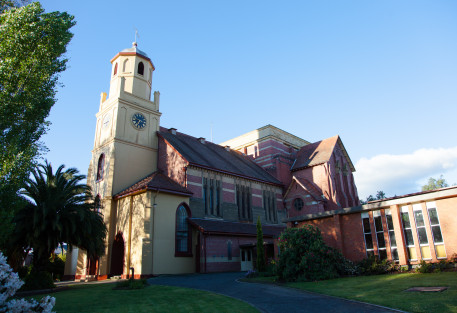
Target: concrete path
[266,298]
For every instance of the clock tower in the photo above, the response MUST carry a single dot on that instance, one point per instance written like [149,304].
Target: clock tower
[126,143]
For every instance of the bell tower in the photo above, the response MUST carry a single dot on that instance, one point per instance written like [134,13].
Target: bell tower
[127,122]
[126,143]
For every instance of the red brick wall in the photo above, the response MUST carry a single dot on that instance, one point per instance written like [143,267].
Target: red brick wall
[171,163]
[447,209]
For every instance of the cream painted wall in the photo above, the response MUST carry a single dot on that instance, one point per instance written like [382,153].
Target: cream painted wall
[164,218]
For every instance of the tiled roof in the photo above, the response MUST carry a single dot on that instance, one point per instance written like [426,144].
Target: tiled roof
[219,226]
[315,153]
[155,181]
[312,190]
[216,157]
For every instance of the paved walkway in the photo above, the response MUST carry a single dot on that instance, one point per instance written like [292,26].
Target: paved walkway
[266,297]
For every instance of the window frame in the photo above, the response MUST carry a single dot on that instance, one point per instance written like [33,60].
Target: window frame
[188,252]
[405,210]
[363,216]
[100,174]
[138,68]
[431,206]
[377,214]
[387,212]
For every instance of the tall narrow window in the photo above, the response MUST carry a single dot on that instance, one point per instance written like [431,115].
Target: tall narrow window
[367,234]
[412,255]
[243,201]
[183,234]
[436,230]
[393,242]
[380,235]
[205,195]
[141,68]
[211,196]
[218,198]
[115,69]
[229,250]
[421,232]
[100,167]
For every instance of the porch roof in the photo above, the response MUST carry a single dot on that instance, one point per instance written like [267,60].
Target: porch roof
[210,226]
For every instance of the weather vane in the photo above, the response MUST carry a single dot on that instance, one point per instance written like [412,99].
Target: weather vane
[136,35]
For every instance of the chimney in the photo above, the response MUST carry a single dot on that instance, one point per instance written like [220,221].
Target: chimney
[227,148]
[172,131]
[201,139]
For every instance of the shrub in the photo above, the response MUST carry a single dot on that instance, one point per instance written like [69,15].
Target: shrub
[56,267]
[425,267]
[9,284]
[38,281]
[305,256]
[375,266]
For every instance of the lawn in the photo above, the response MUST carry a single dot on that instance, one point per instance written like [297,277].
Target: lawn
[388,290]
[102,298]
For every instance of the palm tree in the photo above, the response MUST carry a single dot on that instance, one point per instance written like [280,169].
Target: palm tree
[60,209]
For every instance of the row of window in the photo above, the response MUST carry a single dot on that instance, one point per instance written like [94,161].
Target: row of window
[212,197]
[406,224]
[139,70]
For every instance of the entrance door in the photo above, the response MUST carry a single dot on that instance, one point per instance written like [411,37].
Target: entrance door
[246,259]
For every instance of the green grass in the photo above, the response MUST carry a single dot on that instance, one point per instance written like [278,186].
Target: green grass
[388,290]
[102,298]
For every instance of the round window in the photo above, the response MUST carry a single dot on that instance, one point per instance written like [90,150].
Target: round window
[298,204]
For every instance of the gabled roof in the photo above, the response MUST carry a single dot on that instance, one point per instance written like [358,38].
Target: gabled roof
[156,182]
[318,153]
[306,185]
[234,228]
[215,157]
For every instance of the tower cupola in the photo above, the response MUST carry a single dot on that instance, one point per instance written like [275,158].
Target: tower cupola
[132,73]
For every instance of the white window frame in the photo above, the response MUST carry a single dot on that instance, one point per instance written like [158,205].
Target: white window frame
[418,207]
[404,209]
[432,205]
[388,212]
[376,214]
[366,215]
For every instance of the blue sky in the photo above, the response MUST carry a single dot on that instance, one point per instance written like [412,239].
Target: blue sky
[381,74]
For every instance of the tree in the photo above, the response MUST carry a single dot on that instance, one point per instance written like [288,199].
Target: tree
[305,256]
[32,44]
[60,209]
[379,196]
[435,184]
[260,248]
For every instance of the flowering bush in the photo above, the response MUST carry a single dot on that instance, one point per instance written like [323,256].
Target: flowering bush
[305,256]
[9,284]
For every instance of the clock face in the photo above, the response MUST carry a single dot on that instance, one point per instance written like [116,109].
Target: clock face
[106,120]
[139,120]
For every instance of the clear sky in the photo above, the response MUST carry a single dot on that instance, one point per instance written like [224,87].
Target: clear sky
[381,74]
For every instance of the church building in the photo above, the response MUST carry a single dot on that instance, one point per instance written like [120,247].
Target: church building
[174,203]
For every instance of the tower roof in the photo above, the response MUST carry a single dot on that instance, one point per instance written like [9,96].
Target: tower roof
[134,51]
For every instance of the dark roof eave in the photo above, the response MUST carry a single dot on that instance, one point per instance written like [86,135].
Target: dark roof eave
[138,191]
[234,174]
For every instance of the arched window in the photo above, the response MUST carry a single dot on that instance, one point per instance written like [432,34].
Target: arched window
[101,166]
[183,232]
[115,69]
[125,66]
[298,204]
[141,68]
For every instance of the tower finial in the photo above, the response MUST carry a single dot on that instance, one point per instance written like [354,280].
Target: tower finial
[136,36]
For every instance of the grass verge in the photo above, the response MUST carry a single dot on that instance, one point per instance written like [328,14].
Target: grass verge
[102,298]
[388,290]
